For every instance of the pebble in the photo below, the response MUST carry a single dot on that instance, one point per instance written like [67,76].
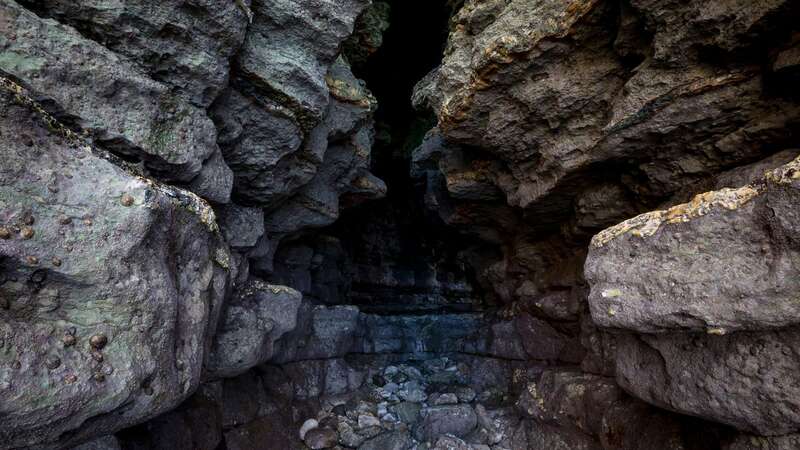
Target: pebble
[307,426]
[368,420]
[444,399]
[26,232]
[98,341]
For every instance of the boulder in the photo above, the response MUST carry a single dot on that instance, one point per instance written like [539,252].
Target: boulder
[458,420]
[112,283]
[257,315]
[726,261]
[748,380]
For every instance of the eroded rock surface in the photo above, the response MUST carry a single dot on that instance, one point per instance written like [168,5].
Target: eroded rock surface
[724,262]
[111,289]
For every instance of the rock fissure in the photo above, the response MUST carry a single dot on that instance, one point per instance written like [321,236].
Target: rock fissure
[407,225]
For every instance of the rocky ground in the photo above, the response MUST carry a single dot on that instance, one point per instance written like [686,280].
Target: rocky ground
[449,224]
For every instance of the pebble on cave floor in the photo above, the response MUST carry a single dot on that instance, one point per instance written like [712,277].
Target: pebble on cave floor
[416,405]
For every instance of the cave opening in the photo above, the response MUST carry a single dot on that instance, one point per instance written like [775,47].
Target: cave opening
[392,256]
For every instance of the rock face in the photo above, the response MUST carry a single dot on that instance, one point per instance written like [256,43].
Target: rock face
[726,261]
[465,264]
[746,379]
[107,96]
[723,263]
[185,45]
[254,318]
[109,304]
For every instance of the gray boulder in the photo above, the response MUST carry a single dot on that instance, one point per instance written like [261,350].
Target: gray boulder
[254,318]
[725,261]
[112,284]
[395,440]
[746,379]
[458,420]
[106,96]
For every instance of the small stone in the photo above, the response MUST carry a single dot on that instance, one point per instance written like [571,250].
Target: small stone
[126,200]
[69,379]
[56,261]
[368,420]
[99,377]
[69,340]
[53,363]
[98,341]
[5,233]
[88,222]
[97,356]
[26,232]
[465,394]
[445,399]
[64,220]
[32,260]
[307,426]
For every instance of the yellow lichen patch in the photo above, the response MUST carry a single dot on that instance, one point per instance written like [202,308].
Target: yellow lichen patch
[786,174]
[611,293]
[648,224]
[346,92]
[716,331]
[367,184]
[557,20]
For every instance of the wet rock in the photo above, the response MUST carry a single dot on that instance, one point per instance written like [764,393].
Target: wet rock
[106,96]
[149,278]
[255,317]
[722,262]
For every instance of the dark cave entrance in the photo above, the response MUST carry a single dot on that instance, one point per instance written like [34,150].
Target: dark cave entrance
[392,256]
